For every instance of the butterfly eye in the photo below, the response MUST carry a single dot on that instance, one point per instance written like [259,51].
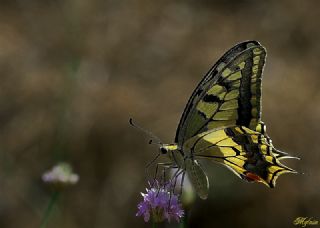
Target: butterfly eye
[163,150]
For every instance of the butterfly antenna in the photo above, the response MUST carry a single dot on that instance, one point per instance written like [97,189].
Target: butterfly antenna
[154,138]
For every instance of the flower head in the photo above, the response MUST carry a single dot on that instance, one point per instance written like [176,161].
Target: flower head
[161,204]
[60,175]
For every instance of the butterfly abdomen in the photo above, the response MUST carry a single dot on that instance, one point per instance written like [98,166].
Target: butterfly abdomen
[197,177]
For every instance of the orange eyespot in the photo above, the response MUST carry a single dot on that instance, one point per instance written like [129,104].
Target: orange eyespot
[252,177]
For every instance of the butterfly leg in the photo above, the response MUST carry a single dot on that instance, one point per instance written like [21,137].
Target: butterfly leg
[175,177]
[149,165]
[181,182]
[173,182]
[163,183]
[164,167]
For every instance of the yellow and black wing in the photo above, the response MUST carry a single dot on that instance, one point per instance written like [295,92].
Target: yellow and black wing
[229,94]
[249,154]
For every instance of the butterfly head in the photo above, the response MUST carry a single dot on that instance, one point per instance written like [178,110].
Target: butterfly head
[172,152]
[165,148]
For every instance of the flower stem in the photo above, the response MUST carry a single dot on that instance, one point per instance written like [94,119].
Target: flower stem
[45,219]
[154,225]
[183,223]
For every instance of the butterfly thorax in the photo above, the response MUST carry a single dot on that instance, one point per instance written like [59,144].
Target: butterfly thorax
[174,153]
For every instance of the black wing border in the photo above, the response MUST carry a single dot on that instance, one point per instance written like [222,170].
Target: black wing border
[212,74]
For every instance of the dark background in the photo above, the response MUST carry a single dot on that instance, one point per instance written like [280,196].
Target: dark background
[73,72]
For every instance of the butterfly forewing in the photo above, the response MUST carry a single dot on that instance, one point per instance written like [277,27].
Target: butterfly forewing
[230,93]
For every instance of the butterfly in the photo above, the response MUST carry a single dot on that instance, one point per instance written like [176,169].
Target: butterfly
[222,123]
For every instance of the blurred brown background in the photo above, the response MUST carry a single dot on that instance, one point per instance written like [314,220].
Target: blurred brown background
[73,72]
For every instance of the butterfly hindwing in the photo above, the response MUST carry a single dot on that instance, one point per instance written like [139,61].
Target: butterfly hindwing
[229,94]
[246,152]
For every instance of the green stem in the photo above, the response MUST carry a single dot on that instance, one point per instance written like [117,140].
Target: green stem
[154,225]
[183,223]
[49,209]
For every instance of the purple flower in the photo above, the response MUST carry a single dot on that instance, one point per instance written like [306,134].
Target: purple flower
[161,204]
